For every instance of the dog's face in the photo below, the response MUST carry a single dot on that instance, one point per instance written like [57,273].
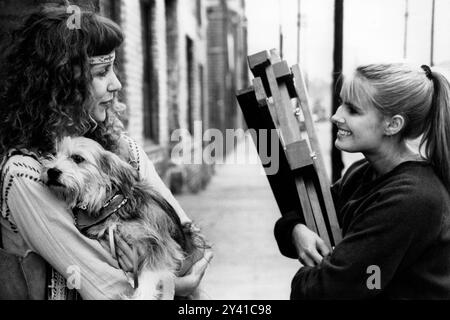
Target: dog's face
[83,173]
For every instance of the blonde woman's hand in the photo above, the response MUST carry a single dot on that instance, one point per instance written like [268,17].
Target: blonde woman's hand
[186,284]
[311,249]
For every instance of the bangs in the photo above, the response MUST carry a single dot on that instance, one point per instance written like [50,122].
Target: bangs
[104,35]
[357,90]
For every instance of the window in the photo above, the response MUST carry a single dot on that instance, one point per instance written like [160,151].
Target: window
[190,80]
[150,77]
[198,13]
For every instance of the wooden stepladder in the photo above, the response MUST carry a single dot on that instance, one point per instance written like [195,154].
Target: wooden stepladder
[277,100]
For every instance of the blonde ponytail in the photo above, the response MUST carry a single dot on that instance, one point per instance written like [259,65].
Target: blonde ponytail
[436,137]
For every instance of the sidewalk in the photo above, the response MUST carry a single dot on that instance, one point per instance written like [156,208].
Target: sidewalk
[237,213]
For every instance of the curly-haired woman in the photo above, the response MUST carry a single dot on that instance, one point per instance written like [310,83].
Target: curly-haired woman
[58,81]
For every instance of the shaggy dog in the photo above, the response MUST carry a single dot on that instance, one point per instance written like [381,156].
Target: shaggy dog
[107,189]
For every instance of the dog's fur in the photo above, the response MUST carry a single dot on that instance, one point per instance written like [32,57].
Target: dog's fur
[84,174]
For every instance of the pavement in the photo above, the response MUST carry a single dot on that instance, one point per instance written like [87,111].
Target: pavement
[237,213]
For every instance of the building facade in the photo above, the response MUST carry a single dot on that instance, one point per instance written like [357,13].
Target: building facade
[227,61]
[170,93]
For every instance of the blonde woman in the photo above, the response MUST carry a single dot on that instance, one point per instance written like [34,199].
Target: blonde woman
[393,206]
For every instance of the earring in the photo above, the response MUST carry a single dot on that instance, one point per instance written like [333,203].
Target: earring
[93,124]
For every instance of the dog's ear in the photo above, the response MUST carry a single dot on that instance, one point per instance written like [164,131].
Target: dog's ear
[122,175]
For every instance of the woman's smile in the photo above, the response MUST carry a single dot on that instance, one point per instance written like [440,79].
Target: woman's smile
[343,133]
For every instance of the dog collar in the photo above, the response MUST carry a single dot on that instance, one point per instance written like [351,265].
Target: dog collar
[84,221]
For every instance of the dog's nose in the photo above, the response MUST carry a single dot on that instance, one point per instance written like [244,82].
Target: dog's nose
[53,174]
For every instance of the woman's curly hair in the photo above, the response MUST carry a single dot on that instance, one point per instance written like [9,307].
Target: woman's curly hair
[45,80]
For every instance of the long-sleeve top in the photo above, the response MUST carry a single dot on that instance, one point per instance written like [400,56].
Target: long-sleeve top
[396,228]
[46,225]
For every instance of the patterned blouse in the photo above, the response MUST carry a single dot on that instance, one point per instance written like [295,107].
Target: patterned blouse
[46,226]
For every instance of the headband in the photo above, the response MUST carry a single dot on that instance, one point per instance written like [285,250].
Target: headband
[108,58]
[428,71]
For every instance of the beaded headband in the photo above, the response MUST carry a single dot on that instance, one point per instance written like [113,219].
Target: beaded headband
[427,70]
[108,58]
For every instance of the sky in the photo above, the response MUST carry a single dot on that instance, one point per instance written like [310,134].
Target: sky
[373,32]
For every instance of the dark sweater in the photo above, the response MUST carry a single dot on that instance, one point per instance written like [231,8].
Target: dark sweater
[399,222]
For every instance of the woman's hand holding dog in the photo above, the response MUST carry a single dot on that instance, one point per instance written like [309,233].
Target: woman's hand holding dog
[125,254]
[184,286]
[310,247]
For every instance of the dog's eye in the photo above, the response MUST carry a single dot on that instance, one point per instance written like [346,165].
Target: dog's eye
[77,158]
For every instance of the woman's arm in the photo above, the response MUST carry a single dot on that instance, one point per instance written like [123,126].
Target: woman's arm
[283,232]
[48,229]
[390,232]
[287,235]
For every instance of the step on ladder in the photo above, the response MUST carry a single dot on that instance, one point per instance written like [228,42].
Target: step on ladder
[273,107]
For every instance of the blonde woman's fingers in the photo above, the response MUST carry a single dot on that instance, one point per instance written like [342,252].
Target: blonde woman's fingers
[305,260]
[323,248]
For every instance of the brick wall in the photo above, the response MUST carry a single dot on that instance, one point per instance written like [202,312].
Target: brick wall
[133,66]
[217,65]
[172,22]
[227,52]
[173,69]
[192,93]
[133,28]
[160,62]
